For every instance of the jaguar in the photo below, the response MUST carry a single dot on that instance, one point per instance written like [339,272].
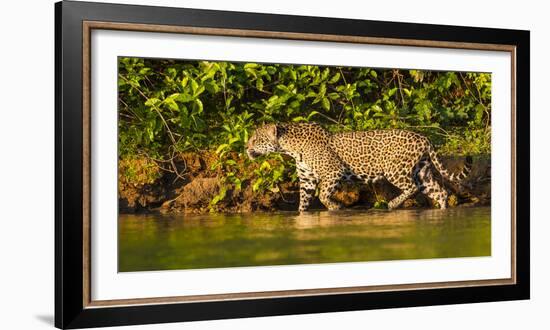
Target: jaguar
[325,160]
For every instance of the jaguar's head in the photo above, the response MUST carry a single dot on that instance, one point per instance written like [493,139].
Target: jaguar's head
[263,141]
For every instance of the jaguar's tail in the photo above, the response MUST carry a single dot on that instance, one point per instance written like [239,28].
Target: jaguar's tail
[456,177]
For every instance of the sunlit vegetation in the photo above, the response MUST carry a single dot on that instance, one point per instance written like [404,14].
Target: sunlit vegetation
[169,107]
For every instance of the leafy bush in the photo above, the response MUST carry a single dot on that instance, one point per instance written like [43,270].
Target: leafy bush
[169,106]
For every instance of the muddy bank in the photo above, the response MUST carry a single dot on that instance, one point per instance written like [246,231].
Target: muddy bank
[153,189]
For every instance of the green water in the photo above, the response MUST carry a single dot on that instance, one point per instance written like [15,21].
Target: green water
[160,242]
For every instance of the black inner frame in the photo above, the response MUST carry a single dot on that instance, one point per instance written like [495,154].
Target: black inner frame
[69,306]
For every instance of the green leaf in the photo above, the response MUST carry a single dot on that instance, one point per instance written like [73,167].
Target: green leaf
[233,140]
[299,119]
[144,71]
[326,104]
[322,89]
[334,78]
[172,105]
[376,108]
[259,84]
[238,184]
[212,87]
[194,86]
[199,104]
[257,184]
[265,166]
[333,96]
[293,74]
[152,102]
[199,91]
[221,147]
[250,65]
[184,81]
[150,133]
[184,98]
[251,72]
[480,110]
[311,114]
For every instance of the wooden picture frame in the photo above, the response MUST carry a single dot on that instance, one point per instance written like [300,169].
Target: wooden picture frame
[74,307]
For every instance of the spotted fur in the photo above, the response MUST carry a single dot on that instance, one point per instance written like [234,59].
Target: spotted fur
[323,159]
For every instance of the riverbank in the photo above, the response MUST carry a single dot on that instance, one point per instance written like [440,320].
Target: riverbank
[144,186]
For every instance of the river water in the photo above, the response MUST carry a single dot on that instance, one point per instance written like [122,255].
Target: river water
[162,242]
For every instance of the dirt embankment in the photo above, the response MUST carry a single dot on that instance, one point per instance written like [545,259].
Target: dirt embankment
[198,184]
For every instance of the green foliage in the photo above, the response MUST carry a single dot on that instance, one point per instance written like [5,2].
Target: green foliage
[168,106]
[270,174]
[380,205]
[138,170]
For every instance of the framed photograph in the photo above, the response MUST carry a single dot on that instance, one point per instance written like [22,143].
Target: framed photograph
[215,164]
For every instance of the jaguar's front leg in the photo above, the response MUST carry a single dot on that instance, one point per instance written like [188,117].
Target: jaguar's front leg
[308,184]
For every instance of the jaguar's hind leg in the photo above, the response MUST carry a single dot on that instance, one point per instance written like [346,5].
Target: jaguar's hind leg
[326,190]
[407,186]
[429,185]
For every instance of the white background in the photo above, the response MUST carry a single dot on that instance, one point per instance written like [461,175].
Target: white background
[27,164]
[108,284]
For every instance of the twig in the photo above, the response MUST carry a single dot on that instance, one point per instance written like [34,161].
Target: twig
[468,87]
[170,134]
[283,195]
[129,109]
[175,167]
[478,98]
[154,108]
[349,100]
[399,77]
[127,116]
[224,94]
[445,133]
[329,118]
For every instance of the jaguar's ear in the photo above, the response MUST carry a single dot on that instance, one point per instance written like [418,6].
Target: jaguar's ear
[271,130]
